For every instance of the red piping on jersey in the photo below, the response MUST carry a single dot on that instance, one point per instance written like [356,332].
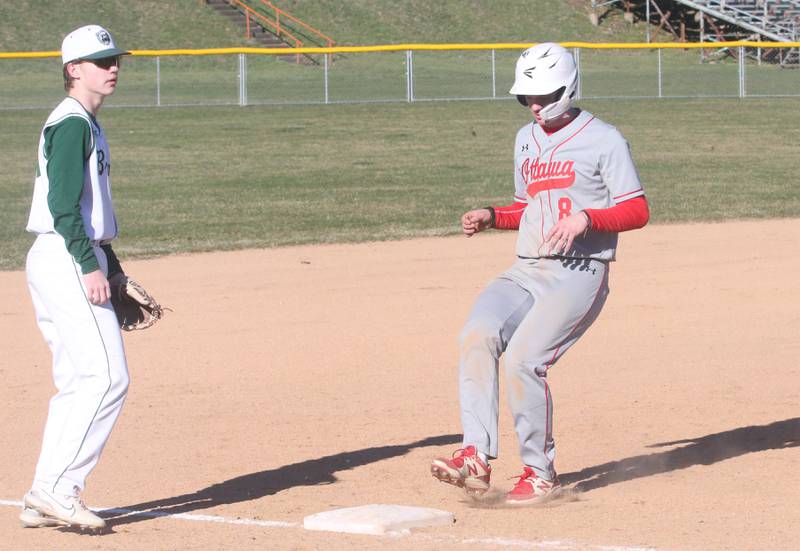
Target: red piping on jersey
[538,147]
[541,207]
[596,295]
[538,154]
[626,194]
[567,184]
[568,139]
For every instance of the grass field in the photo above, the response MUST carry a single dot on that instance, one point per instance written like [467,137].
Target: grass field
[40,25]
[190,179]
[382,21]
[155,24]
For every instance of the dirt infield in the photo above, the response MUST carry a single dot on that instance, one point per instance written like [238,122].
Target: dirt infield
[292,381]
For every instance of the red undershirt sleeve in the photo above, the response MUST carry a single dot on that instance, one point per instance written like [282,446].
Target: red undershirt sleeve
[509,216]
[628,215]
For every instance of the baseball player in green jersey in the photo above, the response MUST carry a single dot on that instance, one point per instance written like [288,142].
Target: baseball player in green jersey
[576,188]
[68,270]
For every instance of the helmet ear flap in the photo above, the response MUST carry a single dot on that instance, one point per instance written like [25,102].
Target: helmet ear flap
[522,100]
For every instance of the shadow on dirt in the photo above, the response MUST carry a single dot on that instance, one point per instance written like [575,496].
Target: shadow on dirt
[264,483]
[703,450]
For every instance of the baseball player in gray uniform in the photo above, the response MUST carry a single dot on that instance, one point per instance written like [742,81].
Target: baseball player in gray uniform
[68,269]
[576,188]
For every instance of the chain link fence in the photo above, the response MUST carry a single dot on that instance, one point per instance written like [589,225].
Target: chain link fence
[400,75]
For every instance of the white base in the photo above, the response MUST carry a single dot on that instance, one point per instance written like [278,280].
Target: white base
[377,519]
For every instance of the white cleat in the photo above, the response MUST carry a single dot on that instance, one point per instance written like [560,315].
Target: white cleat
[66,509]
[31,518]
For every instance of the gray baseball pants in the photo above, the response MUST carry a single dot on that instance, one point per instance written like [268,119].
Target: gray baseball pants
[531,315]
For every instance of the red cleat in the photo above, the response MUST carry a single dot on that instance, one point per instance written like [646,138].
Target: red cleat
[530,489]
[464,469]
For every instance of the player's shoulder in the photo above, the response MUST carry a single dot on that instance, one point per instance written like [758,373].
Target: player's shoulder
[606,132]
[68,125]
[69,110]
[597,124]
[525,132]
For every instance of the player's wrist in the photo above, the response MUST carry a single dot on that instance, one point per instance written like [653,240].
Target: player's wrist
[588,220]
[492,216]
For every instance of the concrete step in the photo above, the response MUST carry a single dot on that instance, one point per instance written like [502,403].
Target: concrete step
[267,38]
[264,37]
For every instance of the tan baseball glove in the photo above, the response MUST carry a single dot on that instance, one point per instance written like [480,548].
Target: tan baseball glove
[134,306]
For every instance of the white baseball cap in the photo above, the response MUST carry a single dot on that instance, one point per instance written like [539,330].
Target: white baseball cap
[89,42]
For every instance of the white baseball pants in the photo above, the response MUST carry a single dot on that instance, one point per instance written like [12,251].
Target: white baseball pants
[89,367]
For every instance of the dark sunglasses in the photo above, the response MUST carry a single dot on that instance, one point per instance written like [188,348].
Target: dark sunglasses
[547,99]
[106,62]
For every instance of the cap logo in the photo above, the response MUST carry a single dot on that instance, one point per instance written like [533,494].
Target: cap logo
[529,72]
[104,37]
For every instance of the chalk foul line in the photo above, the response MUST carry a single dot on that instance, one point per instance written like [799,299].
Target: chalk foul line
[444,538]
[181,516]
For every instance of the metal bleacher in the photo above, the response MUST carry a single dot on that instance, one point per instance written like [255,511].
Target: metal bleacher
[775,20]
[721,20]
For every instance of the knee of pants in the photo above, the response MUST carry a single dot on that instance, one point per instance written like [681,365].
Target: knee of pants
[525,383]
[120,384]
[480,333]
[519,366]
[114,386]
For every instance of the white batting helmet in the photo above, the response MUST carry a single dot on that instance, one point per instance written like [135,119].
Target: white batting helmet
[544,69]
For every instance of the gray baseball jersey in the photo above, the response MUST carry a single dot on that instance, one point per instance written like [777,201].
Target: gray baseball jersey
[535,311]
[585,165]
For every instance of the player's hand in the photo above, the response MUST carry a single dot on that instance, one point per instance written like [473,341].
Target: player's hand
[98,290]
[475,221]
[560,237]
